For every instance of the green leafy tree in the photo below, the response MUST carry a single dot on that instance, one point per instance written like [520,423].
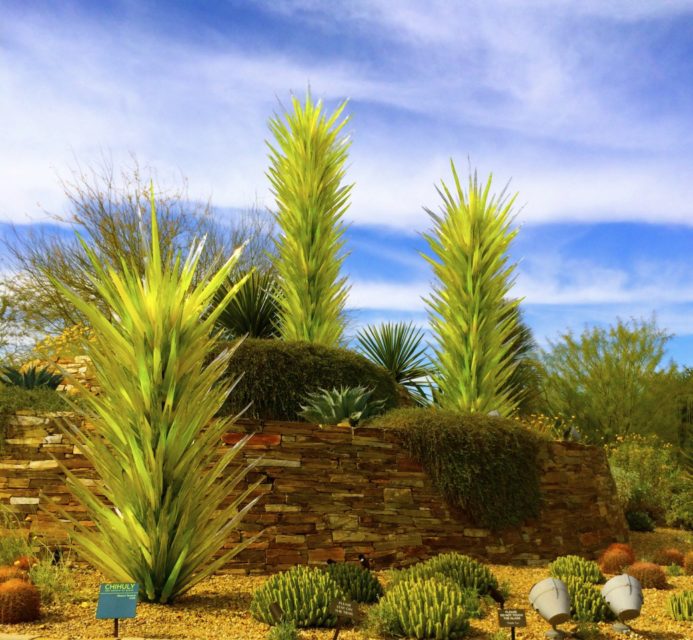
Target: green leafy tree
[306,171]
[609,381]
[155,437]
[398,347]
[471,314]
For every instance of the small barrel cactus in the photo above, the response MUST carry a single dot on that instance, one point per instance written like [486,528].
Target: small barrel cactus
[669,555]
[421,609]
[680,606]
[649,574]
[12,573]
[358,583]
[586,602]
[20,601]
[303,593]
[566,567]
[464,571]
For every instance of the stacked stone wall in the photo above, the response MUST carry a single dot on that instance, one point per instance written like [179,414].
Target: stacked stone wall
[328,493]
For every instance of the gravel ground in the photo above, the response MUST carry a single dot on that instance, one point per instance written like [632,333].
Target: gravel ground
[218,609]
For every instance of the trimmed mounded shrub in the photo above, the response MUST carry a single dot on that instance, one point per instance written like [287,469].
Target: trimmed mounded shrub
[278,375]
[650,575]
[303,593]
[567,567]
[462,570]
[625,547]
[680,606]
[614,561]
[485,465]
[586,602]
[20,601]
[688,563]
[13,399]
[358,584]
[667,556]
[422,609]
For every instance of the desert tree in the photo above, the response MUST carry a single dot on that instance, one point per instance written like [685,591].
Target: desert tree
[104,205]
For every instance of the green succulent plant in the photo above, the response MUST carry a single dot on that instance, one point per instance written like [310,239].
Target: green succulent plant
[680,606]
[397,347]
[285,630]
[346,404]
[357,582]
[307,165]
[304,595]
[566,567]
[470,311]
[462,570]
[586,601]
[254,310]
[424,609]
[160,522]
[31,378]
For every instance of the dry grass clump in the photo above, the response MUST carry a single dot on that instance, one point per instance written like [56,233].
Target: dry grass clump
[688,563]
[649,574]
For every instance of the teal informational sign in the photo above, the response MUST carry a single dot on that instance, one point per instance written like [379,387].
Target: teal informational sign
[117,600]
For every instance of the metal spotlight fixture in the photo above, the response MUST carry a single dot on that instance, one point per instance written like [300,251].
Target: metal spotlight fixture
[551,601]
[624,596]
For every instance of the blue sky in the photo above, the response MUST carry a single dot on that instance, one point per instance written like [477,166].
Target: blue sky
[586,107]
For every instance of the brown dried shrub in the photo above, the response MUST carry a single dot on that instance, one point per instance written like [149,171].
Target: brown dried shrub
[12,573]
[614,561]
[688,563]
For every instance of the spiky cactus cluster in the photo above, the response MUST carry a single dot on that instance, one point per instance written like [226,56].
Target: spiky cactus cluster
[420,608]
[566,567]
[464,571]
[358,583]
[20,601]
[680,606]
[586,601]
[303,593]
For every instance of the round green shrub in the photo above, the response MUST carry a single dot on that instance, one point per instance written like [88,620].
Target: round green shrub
[358,583]
[463,571]
[303,593]
[567,567]
[485,465]
[277,376]
[422,609]
[640,521]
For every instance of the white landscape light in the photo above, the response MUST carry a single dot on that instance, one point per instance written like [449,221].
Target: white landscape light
[624,596]
[551,600]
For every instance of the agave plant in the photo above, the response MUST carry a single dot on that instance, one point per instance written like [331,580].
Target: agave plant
[306,169]
[397,347]
[155,438]
[31,378]
[470,311]
[344,405]
[254,310]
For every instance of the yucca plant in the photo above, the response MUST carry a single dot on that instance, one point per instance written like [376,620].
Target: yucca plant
[254,310]
[155,438]
[469,310]
[338,406]
[306,170]
[397,347]
[31,378]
